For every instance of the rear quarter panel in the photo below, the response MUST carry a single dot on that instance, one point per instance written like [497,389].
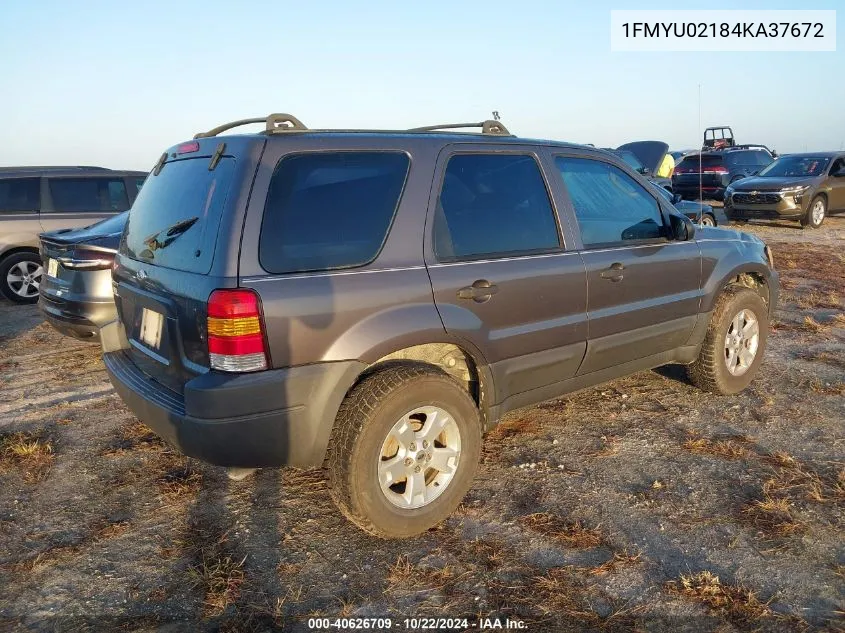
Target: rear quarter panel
[361,313]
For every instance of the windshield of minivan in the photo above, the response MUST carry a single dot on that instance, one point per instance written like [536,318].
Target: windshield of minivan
[174,220]
[796,166]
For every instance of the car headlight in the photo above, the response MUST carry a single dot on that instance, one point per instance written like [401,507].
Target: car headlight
[729,192]
[797,193]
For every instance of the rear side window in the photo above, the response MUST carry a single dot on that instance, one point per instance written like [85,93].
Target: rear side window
[493,204]
[611,207]
[174,220]
[763,158]
[330,210]
[20,194]
[105,195]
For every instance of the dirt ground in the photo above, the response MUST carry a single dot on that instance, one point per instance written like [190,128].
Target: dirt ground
[643,504]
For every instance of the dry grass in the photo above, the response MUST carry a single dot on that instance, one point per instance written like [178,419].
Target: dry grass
[734,602]
[26,452]
[815,299]
[110,529]
[811,325]
[568,533]
[730,448]
[135,436]
[405,576]
[220,578]
[510,428]
[555,594]
[772,517]
[182,481]
[620,560]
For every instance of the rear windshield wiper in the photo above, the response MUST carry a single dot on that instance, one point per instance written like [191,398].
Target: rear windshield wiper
[171,233]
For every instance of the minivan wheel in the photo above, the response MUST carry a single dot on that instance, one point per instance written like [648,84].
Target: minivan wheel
[20,277]
[404,450]
[816,213]
[734,344]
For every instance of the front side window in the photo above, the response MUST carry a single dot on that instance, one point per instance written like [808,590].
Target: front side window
[77,195]
[330,210]
[493,204]
[611,207]
[19,195]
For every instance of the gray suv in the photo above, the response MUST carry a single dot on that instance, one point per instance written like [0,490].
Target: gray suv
[374,301]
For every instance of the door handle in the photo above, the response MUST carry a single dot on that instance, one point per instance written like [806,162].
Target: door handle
[480,291]
[614,273]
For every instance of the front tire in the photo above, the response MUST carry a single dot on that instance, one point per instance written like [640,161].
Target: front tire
[707,220]
[404,450]
[734,344]
[816,213]
[20,277]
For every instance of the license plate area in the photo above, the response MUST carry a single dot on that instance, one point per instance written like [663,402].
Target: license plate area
[152,324]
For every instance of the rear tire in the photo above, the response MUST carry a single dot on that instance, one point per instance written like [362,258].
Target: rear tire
[816,213]
[384,433]
[20,277]
[712,369]
[707,220]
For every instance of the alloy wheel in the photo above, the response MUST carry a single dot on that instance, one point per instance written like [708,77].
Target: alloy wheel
[24,278]
[741,342]
[419,457]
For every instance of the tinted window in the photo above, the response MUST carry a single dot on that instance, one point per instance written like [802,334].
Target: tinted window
[88,194]
[174,220]
[20,194]
[139,182]
[763,158]
[330,210]
[493,204]
[690,163]
[610,205]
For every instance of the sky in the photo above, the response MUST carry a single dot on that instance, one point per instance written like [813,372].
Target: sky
[114,84]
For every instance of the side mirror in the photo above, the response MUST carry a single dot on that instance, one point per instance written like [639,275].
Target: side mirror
[676,198]
[683,228]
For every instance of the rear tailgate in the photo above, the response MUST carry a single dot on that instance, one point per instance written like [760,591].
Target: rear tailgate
[708,171]
[180,244]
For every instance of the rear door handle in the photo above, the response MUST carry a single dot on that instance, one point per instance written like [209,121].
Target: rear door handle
[480,291]
[614,273]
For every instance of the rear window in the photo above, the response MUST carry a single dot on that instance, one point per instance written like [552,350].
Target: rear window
[329,210]
[173,222]
[19,194]
[105,195]
[691,162]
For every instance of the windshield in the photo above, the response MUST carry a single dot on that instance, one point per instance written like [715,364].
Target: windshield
[796,167]
[174,220]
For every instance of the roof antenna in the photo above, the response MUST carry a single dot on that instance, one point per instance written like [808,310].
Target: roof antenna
[496,115]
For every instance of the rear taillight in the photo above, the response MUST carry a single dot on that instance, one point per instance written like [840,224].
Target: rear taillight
[86,259]
[718,169]
[236,331]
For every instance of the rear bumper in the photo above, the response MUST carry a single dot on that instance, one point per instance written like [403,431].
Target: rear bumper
[280,417]
[78,319]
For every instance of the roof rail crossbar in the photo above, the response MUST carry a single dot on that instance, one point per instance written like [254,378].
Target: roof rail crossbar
[495,128]
[272,123]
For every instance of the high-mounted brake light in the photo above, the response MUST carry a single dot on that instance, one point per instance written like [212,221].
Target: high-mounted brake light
[236,331]
[187,148]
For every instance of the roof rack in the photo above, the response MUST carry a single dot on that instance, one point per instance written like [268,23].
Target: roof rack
[743,146]
[281,122]
[272,123]
[495,128]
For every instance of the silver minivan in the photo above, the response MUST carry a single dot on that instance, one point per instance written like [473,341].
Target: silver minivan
[38,199]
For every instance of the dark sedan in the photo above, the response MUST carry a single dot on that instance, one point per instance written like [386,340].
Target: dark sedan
[76,290]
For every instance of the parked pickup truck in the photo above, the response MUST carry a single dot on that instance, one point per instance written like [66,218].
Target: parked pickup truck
[375,301]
